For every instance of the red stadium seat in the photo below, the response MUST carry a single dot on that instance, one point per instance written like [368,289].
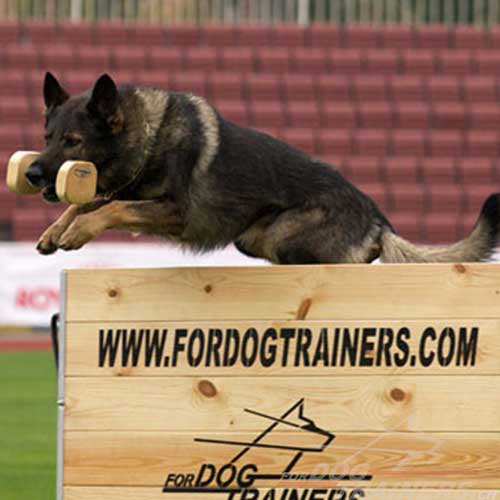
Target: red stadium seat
[183,35]
[364,169]
[334,88]
[480,89]
[457,62]
[239,59]
[254,35]
[370,88]
[129,58]
[108,33]
[58,58]
[299,88]
[493,35]
[311,61]
[371,142]
[40,32]
[152,78]
[477,171]
[449,116]
[219,35]
[264,87]
[408,143]
[445,143]
[407,88]
[376,115]
[288,35]
[481,144]
[11,136]
[444,89]
[433,37]
[418,62]
[475,195]
[201,59]
[382,62]
[24,57]
[485,116]
[93,58]
[441,228]
[148,35]
[165,58]
[439,171]
[407,198]
[10,32]
[360,36]
[13,84]
[302,139]
[398,36]
[226,86]
[235,111]
[346,62]
[412,115]
[337,143]
[304,114]
[15,110]
[28,224]
[272,60]
[407,226]
[324,35]
[338,115]
[400,169]
[488,63]
[268,114]
[76,33]
[194,82]
[468,37]
[377,192]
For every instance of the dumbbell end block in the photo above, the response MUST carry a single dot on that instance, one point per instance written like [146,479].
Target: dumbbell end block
[18,164]
[76,182]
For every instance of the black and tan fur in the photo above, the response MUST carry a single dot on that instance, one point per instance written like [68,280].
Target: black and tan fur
[170,165]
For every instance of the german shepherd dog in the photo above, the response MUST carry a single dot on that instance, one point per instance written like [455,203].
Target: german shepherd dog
[170,165]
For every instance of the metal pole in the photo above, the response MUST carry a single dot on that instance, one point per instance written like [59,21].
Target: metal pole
[304,9]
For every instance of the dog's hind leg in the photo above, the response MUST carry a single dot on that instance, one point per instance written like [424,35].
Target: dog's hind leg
[160,217]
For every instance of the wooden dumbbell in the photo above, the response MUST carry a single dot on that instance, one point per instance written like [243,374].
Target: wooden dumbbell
[76,181]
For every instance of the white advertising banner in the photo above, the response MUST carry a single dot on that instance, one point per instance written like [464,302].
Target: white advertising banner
[29,282]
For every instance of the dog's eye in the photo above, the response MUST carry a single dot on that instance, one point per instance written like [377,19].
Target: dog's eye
[71,141]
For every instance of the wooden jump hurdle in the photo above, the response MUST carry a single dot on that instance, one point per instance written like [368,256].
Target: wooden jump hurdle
[309,382]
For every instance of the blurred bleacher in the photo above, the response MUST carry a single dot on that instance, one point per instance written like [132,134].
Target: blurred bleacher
[411,114]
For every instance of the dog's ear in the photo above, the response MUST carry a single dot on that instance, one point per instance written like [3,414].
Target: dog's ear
[53,94]
[105,103]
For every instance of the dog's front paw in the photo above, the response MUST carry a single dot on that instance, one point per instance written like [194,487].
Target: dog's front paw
[48,242]
[80,232]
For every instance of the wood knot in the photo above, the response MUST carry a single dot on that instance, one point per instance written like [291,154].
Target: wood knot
[207,389]
[112,293]
[460,268]
[304,307]
[398,394]
[208,288]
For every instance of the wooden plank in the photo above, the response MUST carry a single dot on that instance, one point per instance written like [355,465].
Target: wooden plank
[427,460]
[286,292]
[482,337]
[352,404]
[116,493]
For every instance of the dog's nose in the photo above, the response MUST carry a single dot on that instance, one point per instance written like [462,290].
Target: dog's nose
[34,174]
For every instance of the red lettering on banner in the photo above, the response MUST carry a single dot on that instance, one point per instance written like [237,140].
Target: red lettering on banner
[40,299]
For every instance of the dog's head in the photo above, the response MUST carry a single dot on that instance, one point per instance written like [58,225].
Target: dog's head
[86,127]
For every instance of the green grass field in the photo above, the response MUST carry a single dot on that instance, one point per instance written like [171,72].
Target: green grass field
[28,416]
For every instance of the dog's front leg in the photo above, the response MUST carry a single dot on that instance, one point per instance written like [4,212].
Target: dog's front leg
[49,241]
[160,217]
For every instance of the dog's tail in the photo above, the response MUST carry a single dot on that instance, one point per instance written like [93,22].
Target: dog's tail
[479,245]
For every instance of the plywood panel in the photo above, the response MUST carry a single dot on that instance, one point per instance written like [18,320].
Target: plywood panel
[338,403]
[376,347]
[427,460]
[96,493]
[287,292]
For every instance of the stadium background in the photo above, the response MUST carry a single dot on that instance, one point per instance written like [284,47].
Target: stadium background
[401,96]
